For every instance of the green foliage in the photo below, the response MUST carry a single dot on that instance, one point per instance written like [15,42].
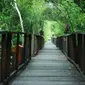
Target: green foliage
[47,29]
[24,6]
[68,16]
[69,13]
[57,28]
[58,16]
[81,3]
[9,19]
[31,11]
[53,28]
[51,14]
[81,25]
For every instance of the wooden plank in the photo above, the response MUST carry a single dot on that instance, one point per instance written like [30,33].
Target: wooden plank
[48,83]
[49,73]
[69,78]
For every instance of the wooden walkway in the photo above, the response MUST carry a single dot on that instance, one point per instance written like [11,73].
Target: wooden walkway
[49,67]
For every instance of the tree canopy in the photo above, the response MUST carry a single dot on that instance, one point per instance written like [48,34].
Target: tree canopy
[31,15]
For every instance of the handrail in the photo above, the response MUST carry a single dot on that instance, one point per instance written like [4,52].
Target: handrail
[73,45]
[14,56]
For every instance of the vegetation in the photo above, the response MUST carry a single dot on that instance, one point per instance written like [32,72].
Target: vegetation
[32,16]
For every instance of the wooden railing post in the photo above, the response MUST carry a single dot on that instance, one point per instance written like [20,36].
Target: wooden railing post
[30,37]
[24,56]
[3,56]
[17,51]
[32,45]
[27,45]
[8,54]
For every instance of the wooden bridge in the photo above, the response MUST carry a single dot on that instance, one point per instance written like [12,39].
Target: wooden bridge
[50,66]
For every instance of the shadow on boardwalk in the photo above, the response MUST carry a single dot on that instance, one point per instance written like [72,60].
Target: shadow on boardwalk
[49,67]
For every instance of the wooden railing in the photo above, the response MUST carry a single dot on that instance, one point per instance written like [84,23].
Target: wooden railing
[13,55]
[73,46]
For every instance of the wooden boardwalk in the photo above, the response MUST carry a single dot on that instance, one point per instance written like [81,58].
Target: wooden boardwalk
[49,67]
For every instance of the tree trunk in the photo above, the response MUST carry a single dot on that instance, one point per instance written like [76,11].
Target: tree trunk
[20,17]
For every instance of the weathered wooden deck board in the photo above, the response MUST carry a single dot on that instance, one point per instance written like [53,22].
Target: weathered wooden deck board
[49,67]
